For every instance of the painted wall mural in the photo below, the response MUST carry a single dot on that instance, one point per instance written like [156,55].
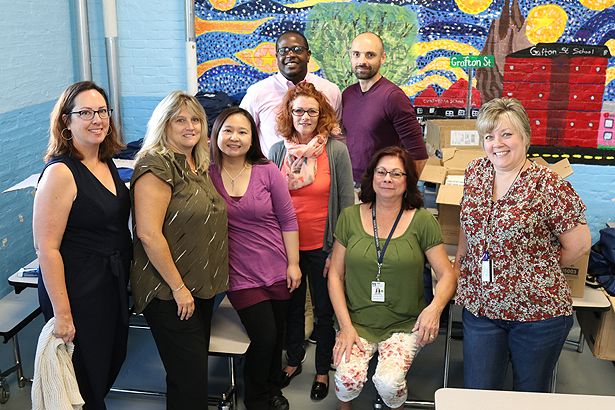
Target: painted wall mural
[555,56]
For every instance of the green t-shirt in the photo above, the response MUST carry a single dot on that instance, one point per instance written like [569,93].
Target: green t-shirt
[402,273]
[195,227]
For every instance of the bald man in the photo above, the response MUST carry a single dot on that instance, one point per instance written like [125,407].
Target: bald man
[375,112]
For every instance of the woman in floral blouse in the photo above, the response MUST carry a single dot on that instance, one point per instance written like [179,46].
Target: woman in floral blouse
[520,222]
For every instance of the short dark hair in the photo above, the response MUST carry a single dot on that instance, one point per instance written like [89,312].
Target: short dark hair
[412,197]
[254,154]
[295,32]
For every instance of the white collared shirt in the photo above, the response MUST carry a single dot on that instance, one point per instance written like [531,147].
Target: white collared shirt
[263,98]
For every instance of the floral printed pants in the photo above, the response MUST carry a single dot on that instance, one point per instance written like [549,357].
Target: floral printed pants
[395,355]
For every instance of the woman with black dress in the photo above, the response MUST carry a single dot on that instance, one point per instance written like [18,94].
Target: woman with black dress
[81,236]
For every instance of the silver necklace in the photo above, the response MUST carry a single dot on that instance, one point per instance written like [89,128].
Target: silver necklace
[236,176]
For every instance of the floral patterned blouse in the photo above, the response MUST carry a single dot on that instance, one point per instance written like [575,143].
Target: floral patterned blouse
[520,231]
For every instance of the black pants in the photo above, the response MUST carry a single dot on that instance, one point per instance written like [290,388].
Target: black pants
[264,323]
[312,264]
[101,336]
[183,346]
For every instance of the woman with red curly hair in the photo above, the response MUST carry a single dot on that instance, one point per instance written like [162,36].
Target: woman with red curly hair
[317,168]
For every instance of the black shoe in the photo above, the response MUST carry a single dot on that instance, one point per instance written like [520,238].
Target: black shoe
[319,390]
[286,379]
[278,403]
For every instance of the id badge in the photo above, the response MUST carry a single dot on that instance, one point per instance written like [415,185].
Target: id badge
[486,272]
[377,291]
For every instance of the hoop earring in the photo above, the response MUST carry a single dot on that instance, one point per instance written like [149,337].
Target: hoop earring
[110,131]
[63,137]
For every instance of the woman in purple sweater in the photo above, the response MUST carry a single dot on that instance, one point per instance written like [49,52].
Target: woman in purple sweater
[263,249]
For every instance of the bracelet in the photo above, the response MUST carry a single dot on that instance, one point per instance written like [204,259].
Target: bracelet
[183,285]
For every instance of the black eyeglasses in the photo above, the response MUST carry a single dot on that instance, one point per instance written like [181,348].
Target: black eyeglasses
[87,115]
[283,51]
[300,111]
[395,173]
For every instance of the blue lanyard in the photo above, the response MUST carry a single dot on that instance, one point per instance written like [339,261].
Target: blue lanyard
[380,252]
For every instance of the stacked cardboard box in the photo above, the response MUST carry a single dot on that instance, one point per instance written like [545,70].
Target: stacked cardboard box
[450,190]
[453,141]
[599,330]
[460,134]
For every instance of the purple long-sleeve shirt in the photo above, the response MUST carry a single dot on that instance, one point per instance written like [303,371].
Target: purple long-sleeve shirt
[257,256]
[381,117]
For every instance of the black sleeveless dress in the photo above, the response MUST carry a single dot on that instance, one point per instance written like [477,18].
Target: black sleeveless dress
[96,250]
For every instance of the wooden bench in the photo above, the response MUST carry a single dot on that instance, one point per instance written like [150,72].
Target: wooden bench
[17,312]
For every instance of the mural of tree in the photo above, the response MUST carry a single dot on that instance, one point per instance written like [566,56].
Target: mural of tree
[332,27]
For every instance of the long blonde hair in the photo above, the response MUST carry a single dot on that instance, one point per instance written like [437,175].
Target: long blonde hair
[155,140]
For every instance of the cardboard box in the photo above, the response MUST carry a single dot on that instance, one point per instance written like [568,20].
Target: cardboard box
[599,330]
[454,162]
[448,199]
[562,167]
[575,275]
[460,134]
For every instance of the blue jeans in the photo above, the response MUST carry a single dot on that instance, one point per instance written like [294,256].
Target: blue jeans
[532,348]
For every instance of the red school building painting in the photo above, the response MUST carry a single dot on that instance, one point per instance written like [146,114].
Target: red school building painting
[561,87]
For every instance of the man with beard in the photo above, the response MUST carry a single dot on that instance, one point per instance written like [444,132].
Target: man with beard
[263,98]
[376,112]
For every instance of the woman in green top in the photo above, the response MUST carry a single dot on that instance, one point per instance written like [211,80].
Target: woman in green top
[376,280]
[180,250]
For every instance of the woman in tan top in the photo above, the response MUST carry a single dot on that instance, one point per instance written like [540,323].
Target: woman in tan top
[180,251]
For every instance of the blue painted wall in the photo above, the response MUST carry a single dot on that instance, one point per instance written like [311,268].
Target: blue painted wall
[38,62]
[596,186]
[152,56]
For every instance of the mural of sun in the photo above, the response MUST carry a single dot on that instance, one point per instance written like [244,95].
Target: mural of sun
[222,5]
[597,4]
[473,6]
[546,23]
[262,57]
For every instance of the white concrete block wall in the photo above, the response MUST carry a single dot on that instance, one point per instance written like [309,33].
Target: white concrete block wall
[37,63]
[151,56]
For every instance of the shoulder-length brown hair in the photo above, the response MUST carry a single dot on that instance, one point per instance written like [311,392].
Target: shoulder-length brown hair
[60,118]
[327,120]
[412,197]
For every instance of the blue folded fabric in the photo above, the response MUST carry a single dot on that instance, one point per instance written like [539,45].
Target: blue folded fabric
[125,173]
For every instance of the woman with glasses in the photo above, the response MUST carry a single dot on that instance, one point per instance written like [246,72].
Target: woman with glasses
[376,280]
[181,258]
[81,236]
[319,176]
[520,223]
[263,250]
